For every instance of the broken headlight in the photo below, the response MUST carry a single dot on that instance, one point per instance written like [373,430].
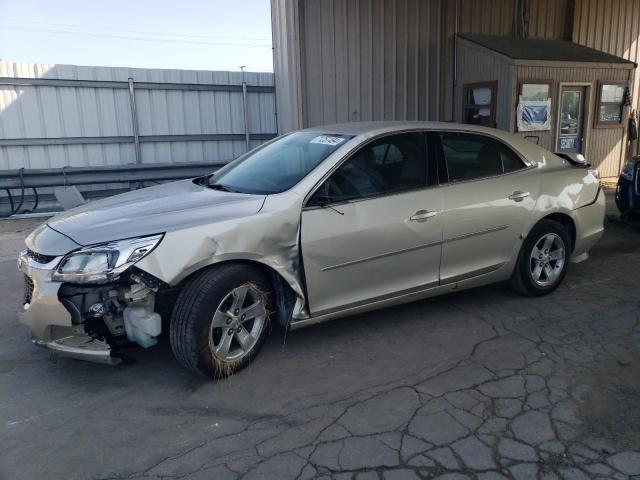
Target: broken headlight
[105,262]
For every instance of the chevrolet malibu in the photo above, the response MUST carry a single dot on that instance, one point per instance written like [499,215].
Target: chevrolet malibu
[314,225]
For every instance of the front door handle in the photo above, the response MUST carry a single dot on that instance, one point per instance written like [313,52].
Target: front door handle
[518,196]
[422,216]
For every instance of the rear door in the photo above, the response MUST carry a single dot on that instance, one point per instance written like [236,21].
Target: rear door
[373,229]
[488,194]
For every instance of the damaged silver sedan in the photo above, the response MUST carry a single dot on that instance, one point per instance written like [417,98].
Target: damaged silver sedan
[314,225]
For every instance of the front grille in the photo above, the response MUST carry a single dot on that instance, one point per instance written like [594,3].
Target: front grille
[28,289]
[39,258]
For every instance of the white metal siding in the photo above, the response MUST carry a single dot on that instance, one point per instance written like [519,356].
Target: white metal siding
[28,112]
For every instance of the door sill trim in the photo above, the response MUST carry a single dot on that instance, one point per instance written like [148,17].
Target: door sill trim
[361,307]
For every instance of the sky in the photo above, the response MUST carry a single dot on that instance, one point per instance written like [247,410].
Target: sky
[183,34]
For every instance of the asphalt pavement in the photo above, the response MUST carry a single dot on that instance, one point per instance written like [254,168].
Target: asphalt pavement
[481,384]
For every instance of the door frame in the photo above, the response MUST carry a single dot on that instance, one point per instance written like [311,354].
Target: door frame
[586,116]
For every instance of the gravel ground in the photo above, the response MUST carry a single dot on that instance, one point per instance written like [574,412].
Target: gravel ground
[479,384]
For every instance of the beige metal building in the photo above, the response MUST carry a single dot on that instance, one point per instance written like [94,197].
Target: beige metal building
[552,92]
[350,60]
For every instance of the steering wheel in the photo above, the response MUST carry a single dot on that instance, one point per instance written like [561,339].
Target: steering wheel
[339,183]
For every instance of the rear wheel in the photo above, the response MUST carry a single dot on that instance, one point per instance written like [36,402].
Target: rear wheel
[543,259]
[220,320]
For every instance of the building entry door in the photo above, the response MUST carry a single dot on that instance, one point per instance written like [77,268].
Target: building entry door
[570,134]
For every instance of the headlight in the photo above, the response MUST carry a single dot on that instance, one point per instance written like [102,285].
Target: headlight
[627,170]
[104,263]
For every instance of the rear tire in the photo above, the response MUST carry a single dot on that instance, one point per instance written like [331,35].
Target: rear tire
[543,260]
[221,319]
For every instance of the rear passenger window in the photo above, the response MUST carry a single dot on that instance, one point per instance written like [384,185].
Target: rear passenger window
[469,156]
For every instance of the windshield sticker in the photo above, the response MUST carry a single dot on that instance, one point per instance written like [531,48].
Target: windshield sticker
[327,140]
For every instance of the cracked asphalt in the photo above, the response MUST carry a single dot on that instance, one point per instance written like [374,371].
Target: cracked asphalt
[482,384]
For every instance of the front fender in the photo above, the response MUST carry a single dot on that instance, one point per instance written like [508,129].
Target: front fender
[269,237]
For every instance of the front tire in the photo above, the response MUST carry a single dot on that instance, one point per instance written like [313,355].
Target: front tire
[543,260]
[221,320]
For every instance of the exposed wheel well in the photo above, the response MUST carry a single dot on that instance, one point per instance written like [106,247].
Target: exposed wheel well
[567,222]
[283,295]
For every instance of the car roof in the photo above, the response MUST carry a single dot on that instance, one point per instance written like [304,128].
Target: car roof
[376,128]
[529,150]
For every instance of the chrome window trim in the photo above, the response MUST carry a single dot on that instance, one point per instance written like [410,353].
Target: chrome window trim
[489,135]
[364,199]
[527,165]
[462,182]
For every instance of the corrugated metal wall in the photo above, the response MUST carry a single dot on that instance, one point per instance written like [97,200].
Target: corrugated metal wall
[493,17]
[545,18]
[610,26]
[340,60]
[285,21]
[369,60]
[45,112]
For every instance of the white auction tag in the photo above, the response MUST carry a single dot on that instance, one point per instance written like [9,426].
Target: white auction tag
[327,140]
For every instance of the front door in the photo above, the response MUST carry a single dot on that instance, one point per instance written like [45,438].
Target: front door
[373,229]
[570,133]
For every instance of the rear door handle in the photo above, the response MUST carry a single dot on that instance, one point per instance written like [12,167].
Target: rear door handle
[518,196]
[422,216]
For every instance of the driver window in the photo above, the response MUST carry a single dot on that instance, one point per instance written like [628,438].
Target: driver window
[388,165]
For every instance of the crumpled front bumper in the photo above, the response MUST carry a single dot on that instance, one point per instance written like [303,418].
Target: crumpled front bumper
[49,320]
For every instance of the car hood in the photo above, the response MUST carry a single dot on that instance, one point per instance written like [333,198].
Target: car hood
[147,211]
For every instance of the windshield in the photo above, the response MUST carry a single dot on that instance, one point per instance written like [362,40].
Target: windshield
[279,165]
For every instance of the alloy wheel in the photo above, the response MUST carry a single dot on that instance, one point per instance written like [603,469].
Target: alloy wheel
[547,259]
[237,323]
